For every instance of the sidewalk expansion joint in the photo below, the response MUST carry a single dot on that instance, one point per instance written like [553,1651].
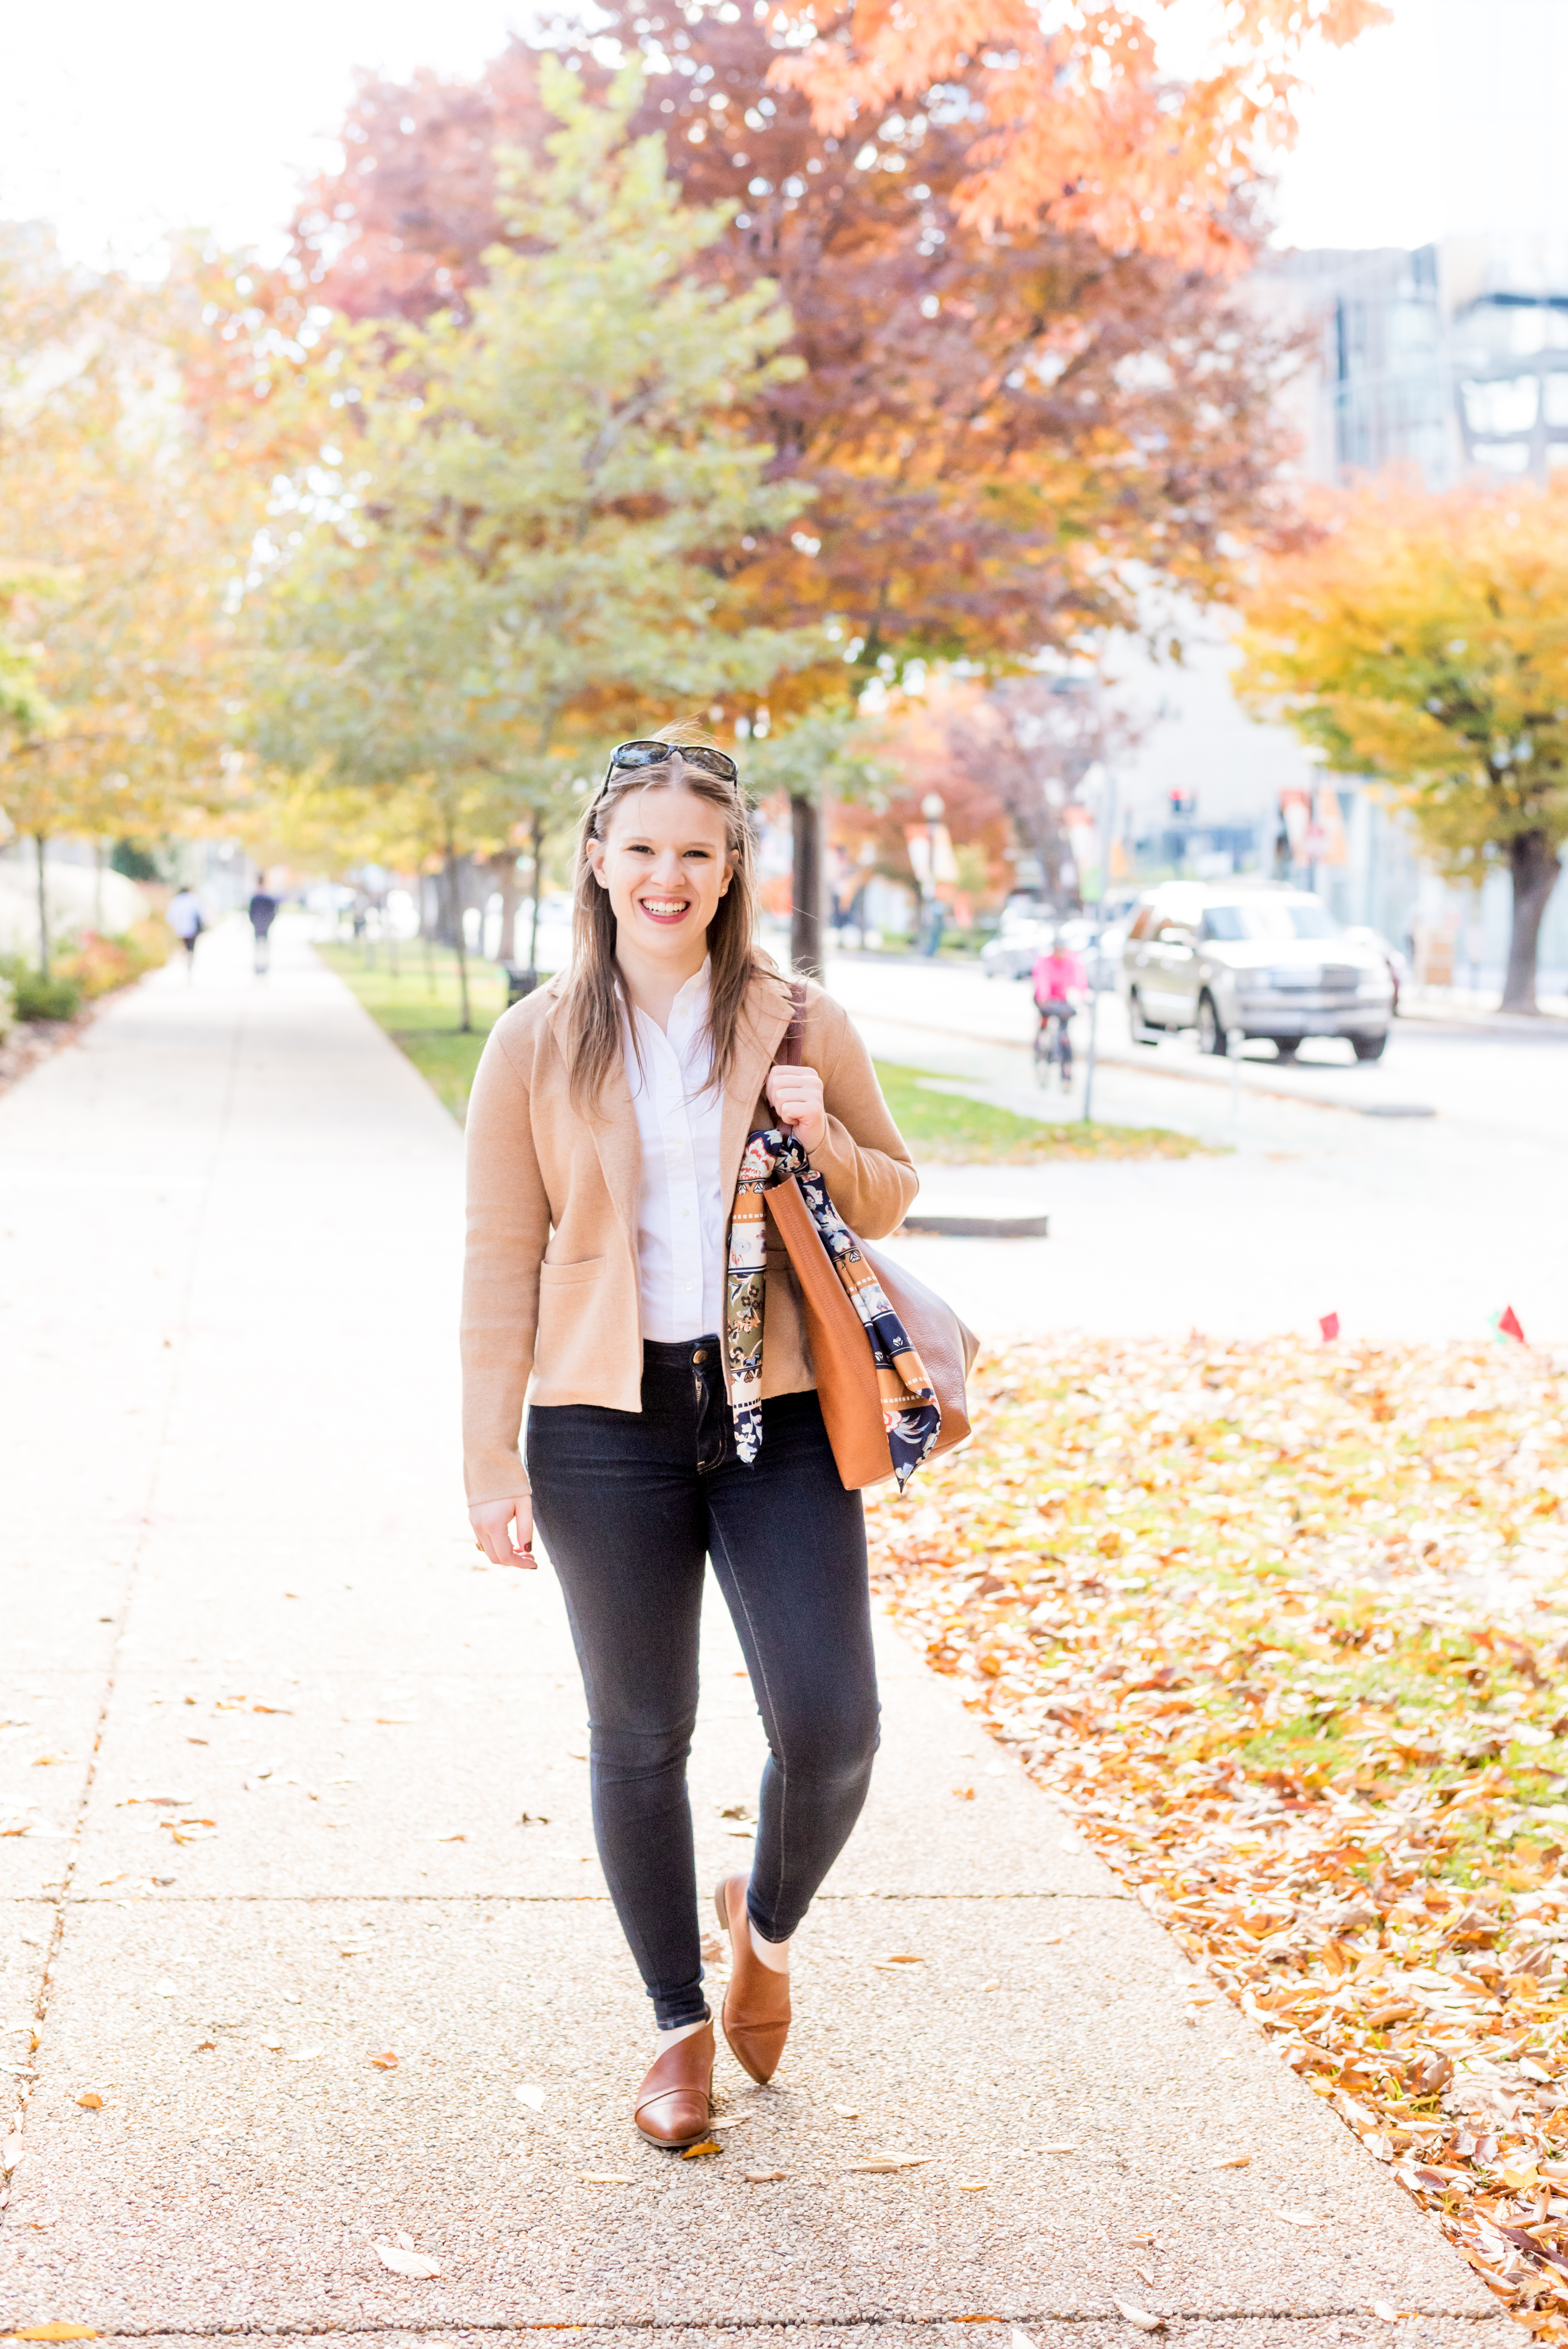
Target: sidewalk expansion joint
[378,2328]
[173,1899]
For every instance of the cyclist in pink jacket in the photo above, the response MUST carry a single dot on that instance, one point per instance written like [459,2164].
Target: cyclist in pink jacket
[1060,985]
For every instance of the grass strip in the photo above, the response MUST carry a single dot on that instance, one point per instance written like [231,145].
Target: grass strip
[944,1125]
[1283,1627]
[413,992]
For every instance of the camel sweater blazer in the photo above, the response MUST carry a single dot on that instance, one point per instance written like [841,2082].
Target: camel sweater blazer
[550,1288]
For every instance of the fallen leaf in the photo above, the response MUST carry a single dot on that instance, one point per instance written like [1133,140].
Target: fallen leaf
[1142,2317]
[272,1708]
[206,2047]
[413,2264]
[387,2061]
[53,2333]
[603,2177]
[92,2102]
[695,2152]
[530,2095]
[964,1794]
[1231,2161]
[46,1762]
[452,1839]
[900,1958]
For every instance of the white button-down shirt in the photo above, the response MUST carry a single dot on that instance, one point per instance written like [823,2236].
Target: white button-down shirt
[681,1214]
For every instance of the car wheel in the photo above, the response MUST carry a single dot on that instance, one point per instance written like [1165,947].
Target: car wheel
[1212,1037]
[1138,1027]
[1370,1048]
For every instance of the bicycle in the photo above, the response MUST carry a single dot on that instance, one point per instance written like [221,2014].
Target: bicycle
[1054,1043]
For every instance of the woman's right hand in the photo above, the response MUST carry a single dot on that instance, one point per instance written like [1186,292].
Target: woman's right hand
[492,1521]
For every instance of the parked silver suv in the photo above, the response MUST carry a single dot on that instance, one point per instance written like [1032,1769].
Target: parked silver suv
[1266,961]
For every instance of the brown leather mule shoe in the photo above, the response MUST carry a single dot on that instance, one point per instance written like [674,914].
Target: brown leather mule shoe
[674,2102]
[756,2014]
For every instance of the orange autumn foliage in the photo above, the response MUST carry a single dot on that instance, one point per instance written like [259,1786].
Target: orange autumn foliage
[1074,121]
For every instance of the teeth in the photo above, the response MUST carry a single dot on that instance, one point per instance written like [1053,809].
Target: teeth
[664,905]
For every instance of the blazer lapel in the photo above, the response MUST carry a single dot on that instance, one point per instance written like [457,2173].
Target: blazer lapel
[761,1033]
[614,1125]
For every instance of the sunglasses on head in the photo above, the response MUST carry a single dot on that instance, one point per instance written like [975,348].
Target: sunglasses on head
[652,754]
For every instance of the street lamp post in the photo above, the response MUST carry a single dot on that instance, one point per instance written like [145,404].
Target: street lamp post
[1107,835]
[933,807]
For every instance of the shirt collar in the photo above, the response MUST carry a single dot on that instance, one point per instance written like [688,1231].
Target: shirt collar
[691,1003]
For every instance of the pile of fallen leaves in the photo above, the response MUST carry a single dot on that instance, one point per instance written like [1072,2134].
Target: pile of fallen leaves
[1285,1628]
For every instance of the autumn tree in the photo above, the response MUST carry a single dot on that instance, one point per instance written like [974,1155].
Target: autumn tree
[1034,742]
[999,441]
[521,546]
[119,562]
[1425,642]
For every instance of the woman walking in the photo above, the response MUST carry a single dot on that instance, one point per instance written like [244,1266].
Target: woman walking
[605,1133]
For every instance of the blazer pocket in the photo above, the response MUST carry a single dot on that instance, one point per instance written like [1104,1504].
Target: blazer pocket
[561,1276]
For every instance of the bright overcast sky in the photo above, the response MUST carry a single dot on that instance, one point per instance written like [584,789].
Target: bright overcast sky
[119,123]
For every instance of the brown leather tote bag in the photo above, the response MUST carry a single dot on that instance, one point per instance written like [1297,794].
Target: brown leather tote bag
[840,1353]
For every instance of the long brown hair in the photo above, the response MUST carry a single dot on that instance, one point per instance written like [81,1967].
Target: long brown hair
[592,994]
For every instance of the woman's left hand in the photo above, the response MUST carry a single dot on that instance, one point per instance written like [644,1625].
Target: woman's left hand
[796,1098]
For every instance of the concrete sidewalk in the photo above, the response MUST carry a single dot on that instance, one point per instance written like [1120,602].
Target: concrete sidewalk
[302,1784]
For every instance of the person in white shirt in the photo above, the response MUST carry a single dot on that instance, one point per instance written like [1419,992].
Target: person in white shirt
[612,1107]
[185,918]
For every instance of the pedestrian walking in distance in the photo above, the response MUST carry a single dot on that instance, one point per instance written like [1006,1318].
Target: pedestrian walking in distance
[263,910]
[185,918]
[606,1134]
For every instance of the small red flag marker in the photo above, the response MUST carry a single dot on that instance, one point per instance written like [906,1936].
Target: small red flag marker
[1329,1325]
[1508,1324]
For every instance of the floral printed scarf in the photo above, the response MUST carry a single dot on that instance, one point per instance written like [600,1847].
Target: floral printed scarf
[909,1409]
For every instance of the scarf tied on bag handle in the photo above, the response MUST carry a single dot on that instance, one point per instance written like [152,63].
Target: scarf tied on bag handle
[911,1413]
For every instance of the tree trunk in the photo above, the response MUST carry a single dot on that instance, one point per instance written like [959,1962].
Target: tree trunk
[806,895]
[39,838]
[537,852]
[459,940]
[504,867]
[1534,866]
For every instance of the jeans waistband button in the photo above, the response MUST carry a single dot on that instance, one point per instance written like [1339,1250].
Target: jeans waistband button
[700,1355]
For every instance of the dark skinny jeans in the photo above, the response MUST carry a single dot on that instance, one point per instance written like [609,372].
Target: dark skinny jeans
[630,1504]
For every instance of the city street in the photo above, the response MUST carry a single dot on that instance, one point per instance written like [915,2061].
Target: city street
[310,1969]
[1416,1197]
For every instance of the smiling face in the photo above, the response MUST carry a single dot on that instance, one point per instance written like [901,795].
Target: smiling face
[665,865]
